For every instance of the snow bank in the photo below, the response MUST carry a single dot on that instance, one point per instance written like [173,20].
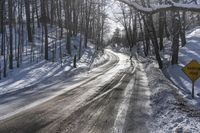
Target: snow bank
[190,52]
[170,115]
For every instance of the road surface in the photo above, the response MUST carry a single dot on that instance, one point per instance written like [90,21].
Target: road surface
[113,98]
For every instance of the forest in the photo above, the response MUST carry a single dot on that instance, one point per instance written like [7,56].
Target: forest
[42,29]
[25,26]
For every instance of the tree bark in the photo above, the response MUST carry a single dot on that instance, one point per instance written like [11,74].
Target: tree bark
[152,31]
[10,15]
[44,21]
[161,29]
[28,19]
[175,37]
[183,33]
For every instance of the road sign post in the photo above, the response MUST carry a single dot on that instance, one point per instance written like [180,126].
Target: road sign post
[192,70]
[193,82]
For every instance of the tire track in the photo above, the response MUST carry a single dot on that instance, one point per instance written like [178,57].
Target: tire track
[39,117]
[97,116]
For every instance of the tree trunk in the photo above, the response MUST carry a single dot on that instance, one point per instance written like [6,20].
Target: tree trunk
[161,29]
[1,22]
[1,15]
[175,36]
[183,33]
[10,15]
[153,35]
[75,61]
[28,19]
[44,21]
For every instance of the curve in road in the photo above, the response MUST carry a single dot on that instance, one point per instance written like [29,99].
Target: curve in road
[91,105]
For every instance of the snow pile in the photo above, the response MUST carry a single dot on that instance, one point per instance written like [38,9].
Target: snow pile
[170,113]
[190,52]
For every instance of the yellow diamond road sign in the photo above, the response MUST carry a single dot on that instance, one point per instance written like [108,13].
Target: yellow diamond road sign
[192,70]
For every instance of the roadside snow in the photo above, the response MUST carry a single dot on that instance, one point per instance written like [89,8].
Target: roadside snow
[190,52]
[170,112]
[31,73]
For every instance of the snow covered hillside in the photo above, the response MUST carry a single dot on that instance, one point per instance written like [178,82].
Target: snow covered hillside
[170,114]
[33,73]
[35,69]
[190,52]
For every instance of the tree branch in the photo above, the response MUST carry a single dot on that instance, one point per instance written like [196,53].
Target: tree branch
[157,8]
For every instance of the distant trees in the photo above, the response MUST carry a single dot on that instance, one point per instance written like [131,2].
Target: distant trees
[116,38]
[86,18]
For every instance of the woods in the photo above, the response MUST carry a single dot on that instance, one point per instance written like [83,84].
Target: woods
[27,28]
[43,29]
[148,23]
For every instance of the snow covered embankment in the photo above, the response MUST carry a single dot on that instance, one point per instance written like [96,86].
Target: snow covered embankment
[170,115]
[190,52]
[32,73]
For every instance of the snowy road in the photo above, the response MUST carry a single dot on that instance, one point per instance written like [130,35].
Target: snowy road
[111,98]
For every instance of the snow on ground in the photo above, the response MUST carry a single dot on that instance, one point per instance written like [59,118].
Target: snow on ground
[173,108]
[58,85]
[37,70]
[190,52]
[31,74]
[170,114]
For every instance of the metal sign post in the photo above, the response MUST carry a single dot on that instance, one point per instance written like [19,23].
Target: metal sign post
[193,82]
[192,70]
